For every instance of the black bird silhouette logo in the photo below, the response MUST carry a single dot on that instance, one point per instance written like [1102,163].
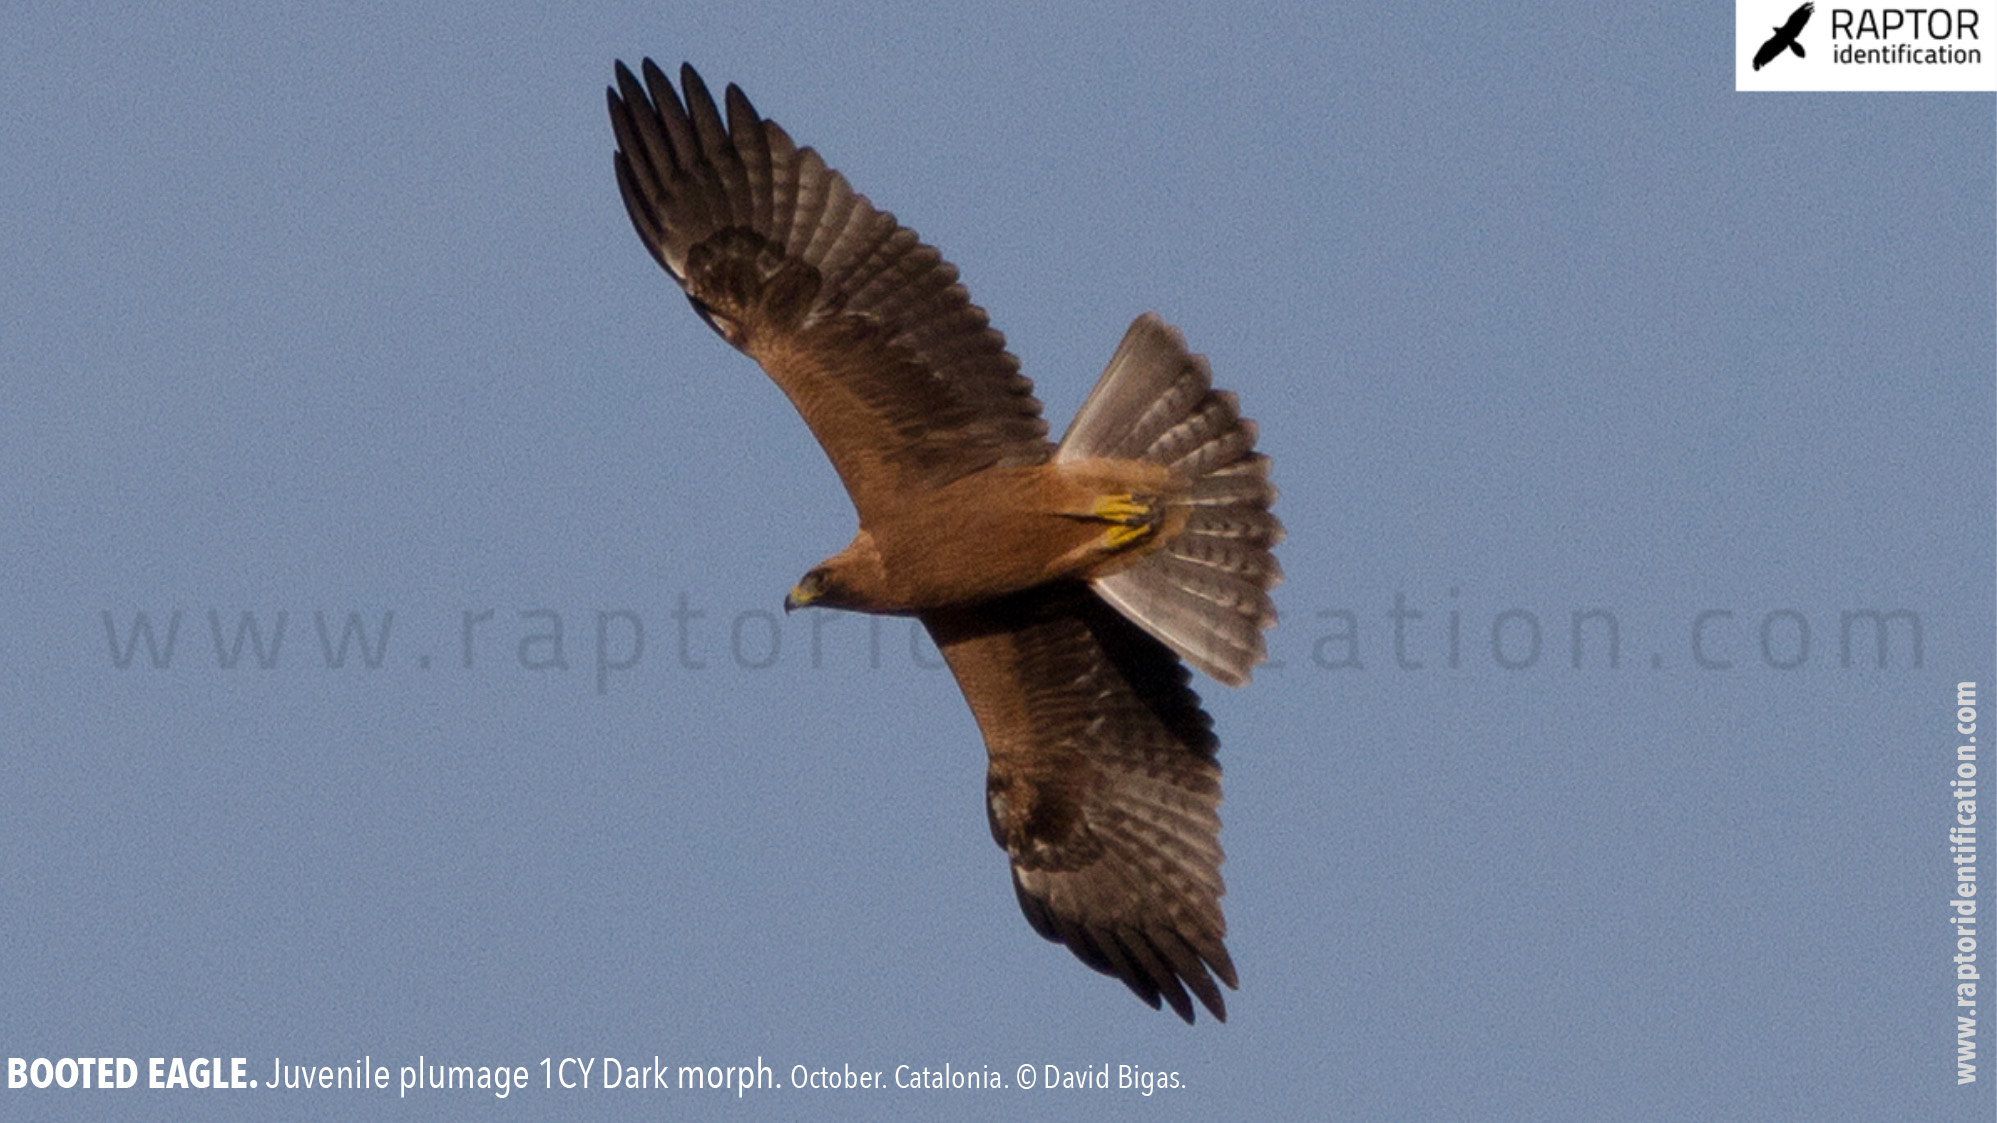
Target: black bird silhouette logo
[1784,38]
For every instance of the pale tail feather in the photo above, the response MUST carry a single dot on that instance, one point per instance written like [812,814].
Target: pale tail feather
[1205,594]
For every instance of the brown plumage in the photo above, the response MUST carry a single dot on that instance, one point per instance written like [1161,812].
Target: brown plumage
[1063,584]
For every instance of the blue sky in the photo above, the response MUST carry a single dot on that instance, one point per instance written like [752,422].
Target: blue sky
[331,311]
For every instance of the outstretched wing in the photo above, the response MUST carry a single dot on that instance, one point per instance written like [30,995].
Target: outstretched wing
[1797,19]
[1103,789]
[901,378]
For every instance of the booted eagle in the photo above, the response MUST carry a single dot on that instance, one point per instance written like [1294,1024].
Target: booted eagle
[1063,583]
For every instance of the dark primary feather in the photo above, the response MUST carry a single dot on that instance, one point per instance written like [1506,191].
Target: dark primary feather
[901,378]
[1103,788]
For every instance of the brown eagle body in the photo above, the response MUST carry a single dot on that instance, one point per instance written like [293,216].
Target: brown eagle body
[1062,583]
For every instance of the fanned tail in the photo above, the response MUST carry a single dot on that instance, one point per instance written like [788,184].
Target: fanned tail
[1204,594]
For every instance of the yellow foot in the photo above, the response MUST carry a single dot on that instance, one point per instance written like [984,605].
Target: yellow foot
[1117,537]
[1124,510]
[1133,519]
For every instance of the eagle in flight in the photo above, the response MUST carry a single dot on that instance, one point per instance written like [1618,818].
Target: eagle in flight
[1063,583]
[1784,38]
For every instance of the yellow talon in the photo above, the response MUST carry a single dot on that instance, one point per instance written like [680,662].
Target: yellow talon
[1132,518]
[1117,537]
[1124,510]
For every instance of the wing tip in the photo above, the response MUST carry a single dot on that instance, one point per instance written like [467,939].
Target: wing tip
[1161,966]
